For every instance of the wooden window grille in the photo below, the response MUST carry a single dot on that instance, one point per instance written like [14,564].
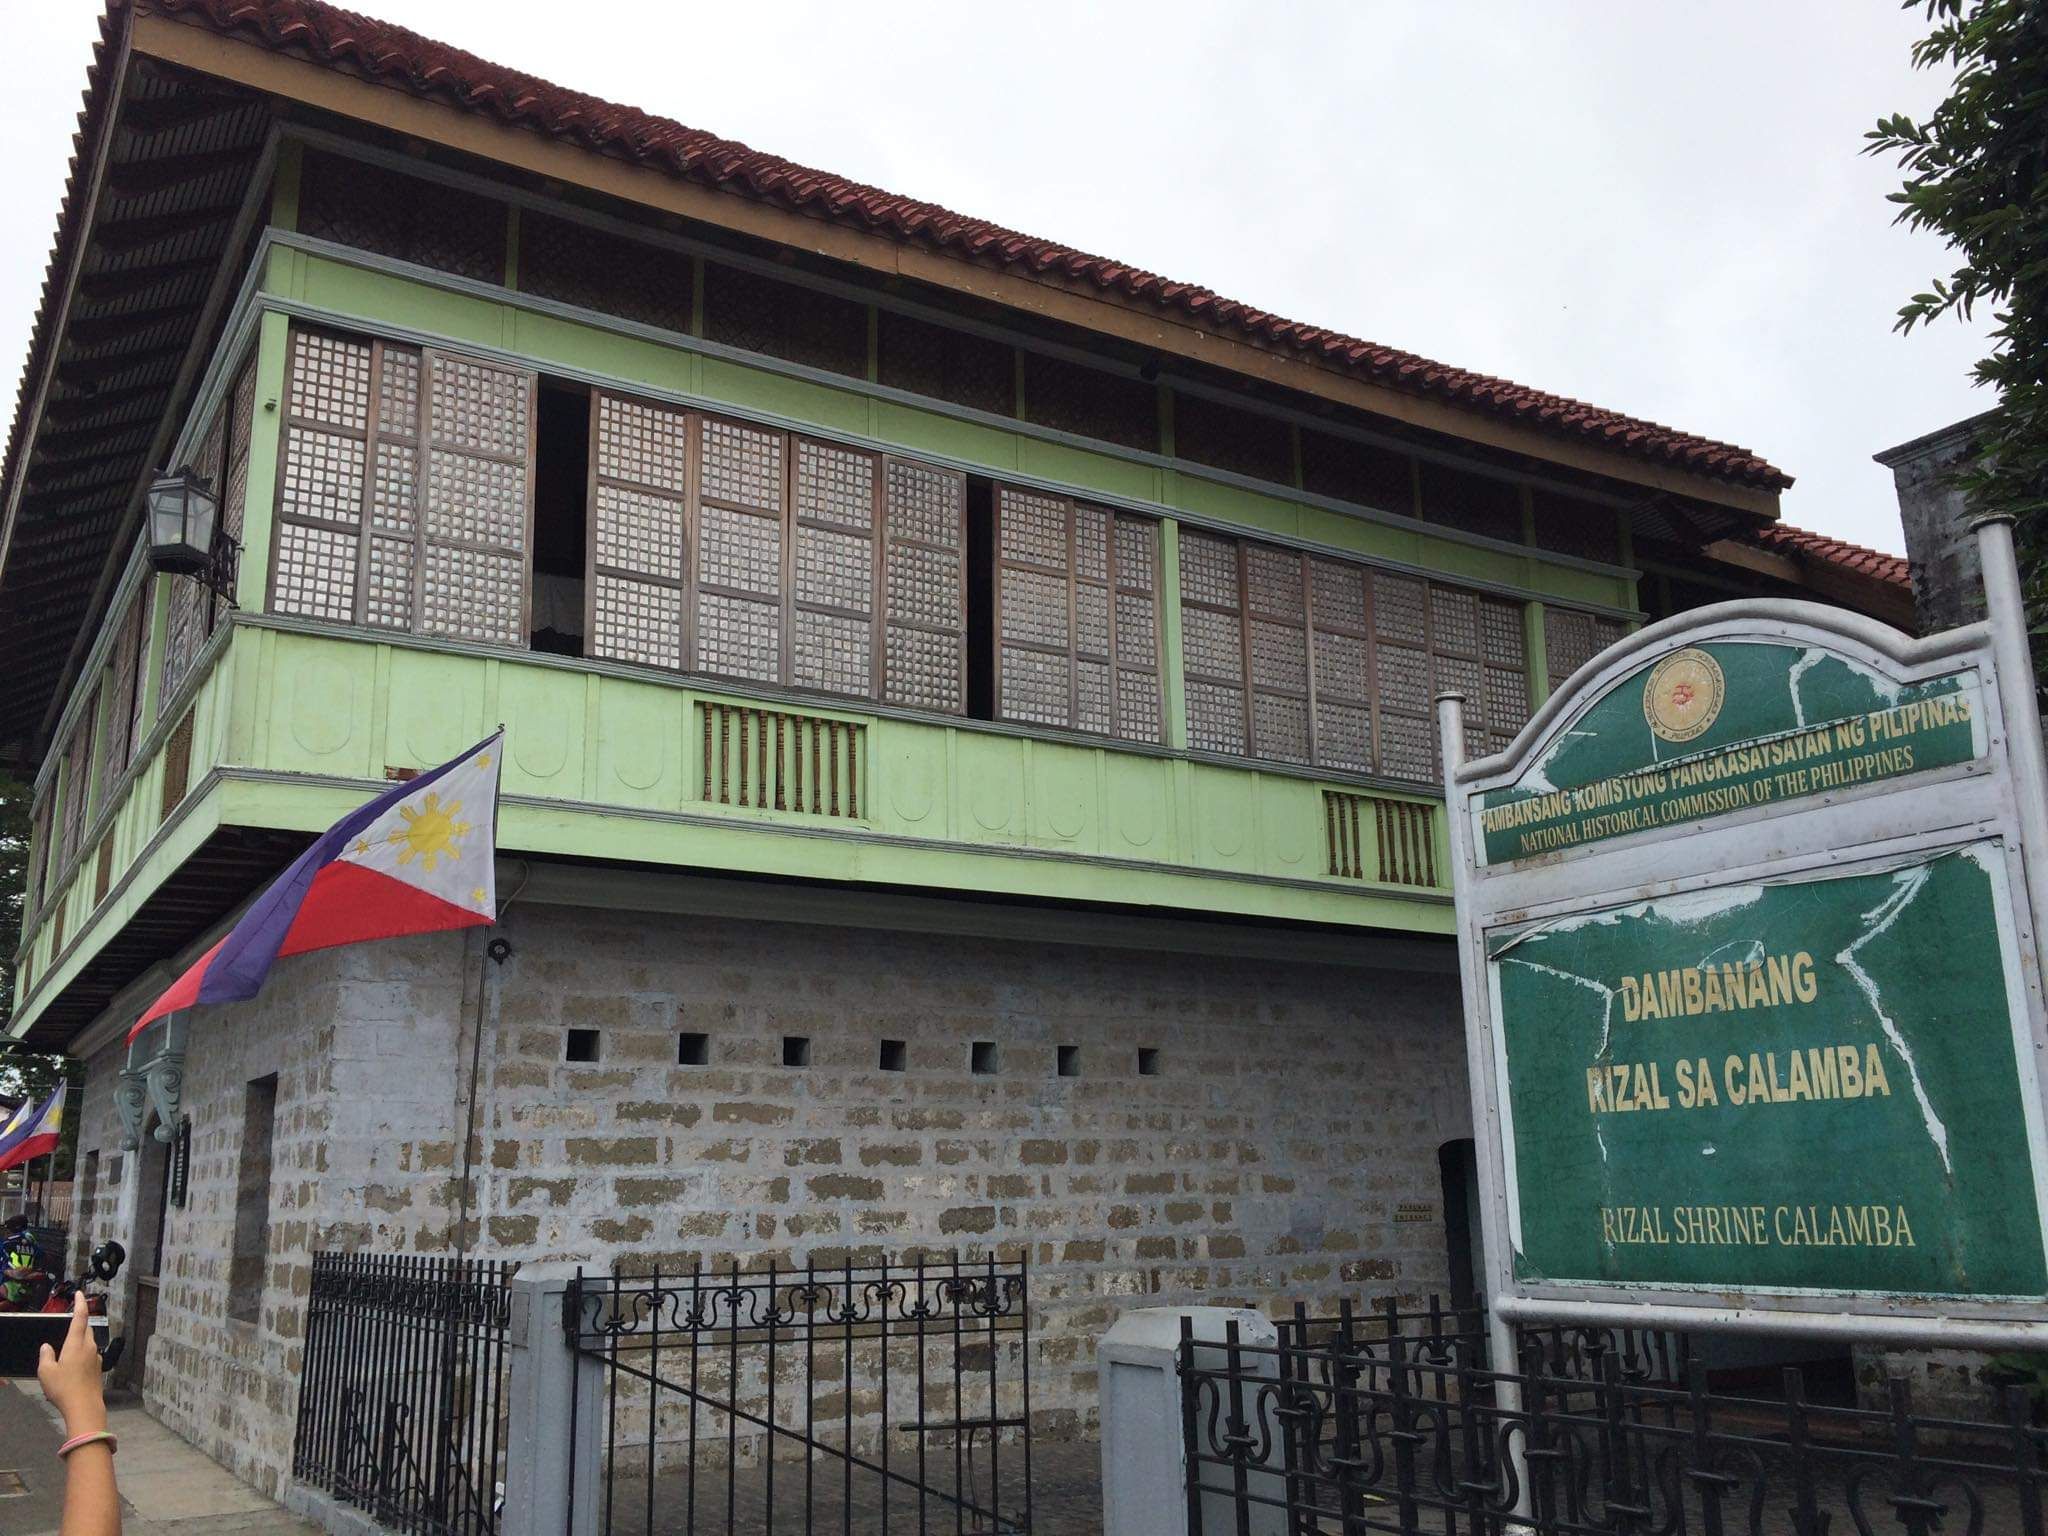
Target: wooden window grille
[1076,616]
[1091,402]
[222,459]
[177,768]
[375,209]
[1348,470]
[601,270]
[1306,659]
[1571,639]
[639,497]
[124,685]
[924,586]
[935,360]
[742,499]
[103,872]
[38,854]
[77,781]
[728,549]
[779,760]
[405,490]
[1229,437]
[1476,503]
[1212,642]
[801,325]
[1373,837]
[1569,526]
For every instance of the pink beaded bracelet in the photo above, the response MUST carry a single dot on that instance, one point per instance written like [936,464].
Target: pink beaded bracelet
[76,1441]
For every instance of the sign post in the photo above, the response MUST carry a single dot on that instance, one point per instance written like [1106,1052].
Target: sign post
[1755,1026]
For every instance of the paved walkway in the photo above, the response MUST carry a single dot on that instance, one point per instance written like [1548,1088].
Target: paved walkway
[168,1488]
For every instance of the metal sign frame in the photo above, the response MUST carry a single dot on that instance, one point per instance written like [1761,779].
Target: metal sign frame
[2002,793]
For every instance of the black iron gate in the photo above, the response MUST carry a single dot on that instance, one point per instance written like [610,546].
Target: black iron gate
[1395,1425]
[402,1401]
[877,1399]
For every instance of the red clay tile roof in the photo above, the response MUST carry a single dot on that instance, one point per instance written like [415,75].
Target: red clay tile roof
[394,56]
[1874,563]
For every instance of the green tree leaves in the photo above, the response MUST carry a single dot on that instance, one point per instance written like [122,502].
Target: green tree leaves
[1976,173]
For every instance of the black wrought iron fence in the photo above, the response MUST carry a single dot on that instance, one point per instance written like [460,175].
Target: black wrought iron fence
[1441,1333]
[402,1403]
[1320,1438]
[886,1398]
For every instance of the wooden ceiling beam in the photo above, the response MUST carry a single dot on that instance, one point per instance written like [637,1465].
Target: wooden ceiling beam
[161,114]
[72,407]
[139,178]
[98,330]
[100,287]
[133,234]
[82,373]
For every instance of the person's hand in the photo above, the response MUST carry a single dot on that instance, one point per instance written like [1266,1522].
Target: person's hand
[71,1381]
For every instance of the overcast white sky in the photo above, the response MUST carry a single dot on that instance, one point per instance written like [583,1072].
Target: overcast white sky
[1659,209]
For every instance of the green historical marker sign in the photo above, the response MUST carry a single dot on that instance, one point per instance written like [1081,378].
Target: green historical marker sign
[1755,1018]
[1799,1083]
[1724,727]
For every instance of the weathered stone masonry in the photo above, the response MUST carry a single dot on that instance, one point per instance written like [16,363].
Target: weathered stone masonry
[1292,1111]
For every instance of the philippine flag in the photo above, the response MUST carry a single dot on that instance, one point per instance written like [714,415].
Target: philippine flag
[32,1133]
[419,858]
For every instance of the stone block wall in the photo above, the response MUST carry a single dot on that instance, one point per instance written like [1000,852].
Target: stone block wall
[1279,1147]
[1291,1113]
[363,1043]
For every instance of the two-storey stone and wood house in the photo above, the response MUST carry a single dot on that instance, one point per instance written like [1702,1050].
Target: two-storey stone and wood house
[969,773]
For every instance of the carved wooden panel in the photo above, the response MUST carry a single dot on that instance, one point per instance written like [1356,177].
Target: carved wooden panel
[639,531]
[601,270]
[1477,503]
[1091,402]
[1570,526]
[1229,437]
[946,364]
[1349,470]
[924,554]
[385,211]
[760,314]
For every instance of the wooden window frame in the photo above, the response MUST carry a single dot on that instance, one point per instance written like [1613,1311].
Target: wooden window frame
[422,447]
[884,541]
[1434,648]
[1113,587]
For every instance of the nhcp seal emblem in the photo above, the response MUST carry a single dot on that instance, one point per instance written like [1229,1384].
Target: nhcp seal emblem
[1683,696]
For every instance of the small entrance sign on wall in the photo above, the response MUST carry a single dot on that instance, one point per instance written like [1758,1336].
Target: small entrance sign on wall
[1747,923]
